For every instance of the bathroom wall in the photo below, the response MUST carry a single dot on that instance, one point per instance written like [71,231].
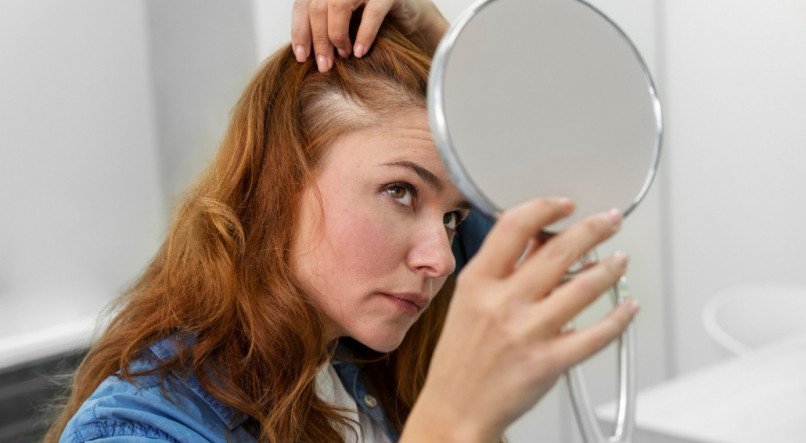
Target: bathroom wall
[733,76]
[108,111]
[79,189]
[202,55]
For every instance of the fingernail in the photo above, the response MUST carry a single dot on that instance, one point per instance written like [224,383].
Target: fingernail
[342,52]
[613,218]
[632,305]
[620,258]
[566,204]
[321,63]
[359,50]
[299,52]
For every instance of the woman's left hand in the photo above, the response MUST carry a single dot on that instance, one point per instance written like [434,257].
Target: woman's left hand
[324,25]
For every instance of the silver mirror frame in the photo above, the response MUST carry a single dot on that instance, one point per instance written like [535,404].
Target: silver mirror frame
[439,127]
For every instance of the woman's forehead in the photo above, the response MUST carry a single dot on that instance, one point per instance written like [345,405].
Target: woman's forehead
[402,137]
[399,142]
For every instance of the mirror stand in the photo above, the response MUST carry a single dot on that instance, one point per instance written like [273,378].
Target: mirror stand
[580,399]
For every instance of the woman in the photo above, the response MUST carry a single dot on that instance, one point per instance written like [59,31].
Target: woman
[295,298]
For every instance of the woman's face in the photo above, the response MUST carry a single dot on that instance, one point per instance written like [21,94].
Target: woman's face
[373,245]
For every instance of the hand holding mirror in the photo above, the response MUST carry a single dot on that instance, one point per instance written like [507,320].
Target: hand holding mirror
[533,98]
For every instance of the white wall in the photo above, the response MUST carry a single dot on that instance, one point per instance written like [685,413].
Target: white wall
[107,111]
[734,76]
[202,55]
[77,140]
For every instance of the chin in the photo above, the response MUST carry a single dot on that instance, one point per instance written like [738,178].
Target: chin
[383,343]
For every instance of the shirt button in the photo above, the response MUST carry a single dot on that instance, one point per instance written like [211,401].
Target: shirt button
[370,401]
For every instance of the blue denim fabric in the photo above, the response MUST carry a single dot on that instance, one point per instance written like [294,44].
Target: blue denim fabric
[180,410]
[469,236]
[359,389]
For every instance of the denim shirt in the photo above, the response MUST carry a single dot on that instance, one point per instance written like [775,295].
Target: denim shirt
[177,408]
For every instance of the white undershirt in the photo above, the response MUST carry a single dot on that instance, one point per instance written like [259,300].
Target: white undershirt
[330,389]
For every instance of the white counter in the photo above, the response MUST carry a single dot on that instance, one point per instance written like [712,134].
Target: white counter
[758,397]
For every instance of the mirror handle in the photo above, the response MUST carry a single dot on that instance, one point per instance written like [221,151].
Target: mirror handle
[625,414]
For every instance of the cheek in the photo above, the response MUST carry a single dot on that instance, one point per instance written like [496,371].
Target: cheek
[367,240]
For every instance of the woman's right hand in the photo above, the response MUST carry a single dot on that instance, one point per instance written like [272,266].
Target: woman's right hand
[323,25]
[503,345]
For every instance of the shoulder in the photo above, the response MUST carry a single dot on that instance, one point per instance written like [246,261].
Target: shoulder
[173,408]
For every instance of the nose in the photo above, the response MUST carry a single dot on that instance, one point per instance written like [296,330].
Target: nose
[431,252]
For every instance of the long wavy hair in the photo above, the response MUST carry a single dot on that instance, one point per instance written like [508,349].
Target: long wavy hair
[223,276]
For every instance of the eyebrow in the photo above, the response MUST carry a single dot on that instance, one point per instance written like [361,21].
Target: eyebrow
[427,177]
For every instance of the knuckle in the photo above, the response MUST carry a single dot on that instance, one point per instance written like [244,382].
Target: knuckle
[298,31]
[374,12]
[492,309]
[318,6]
[491,322]
[337,38]
[465,279]
[611,325]
[549,355]
[509,332]
[513,221]
[548,358]
[588,285]
[339,5]
[615,324]
[556,252]
[550,205]
[543,326]
[320,41]
[597,226]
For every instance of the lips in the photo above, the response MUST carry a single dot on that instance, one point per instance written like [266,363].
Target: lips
[415,298]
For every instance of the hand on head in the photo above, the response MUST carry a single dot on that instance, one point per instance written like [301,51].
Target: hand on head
[324,26]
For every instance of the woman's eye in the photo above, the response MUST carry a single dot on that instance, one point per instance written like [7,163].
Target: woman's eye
[400,193]
[452,220]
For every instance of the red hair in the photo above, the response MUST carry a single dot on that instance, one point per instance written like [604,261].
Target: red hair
[222,275]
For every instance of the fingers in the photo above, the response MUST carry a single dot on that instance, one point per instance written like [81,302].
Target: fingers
[322,48]
[325,26]
[567,301]
[338,25]
[541,272]
[371,19]
[300,30]
[575,347]
[512,232]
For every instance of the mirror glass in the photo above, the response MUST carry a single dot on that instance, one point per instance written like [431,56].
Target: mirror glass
[531,98]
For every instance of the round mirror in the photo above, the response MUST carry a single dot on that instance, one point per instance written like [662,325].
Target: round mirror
[532,98]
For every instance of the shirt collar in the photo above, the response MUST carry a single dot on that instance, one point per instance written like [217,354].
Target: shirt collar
[167,349]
